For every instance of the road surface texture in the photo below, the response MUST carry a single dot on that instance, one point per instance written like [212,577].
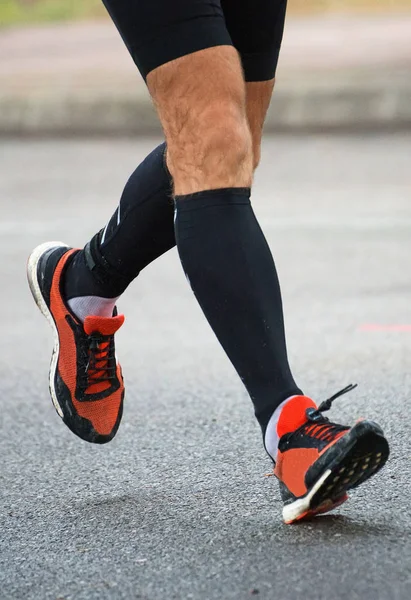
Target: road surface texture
[177,506]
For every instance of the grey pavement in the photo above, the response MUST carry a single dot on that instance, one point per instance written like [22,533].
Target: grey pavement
[177,506]
[343,71]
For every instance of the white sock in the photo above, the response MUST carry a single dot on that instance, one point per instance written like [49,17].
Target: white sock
[86,306]
[271,437]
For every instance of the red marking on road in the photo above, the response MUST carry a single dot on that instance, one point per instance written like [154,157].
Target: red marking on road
[382,327]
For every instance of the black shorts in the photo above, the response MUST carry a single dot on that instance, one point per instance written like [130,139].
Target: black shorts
[157,31]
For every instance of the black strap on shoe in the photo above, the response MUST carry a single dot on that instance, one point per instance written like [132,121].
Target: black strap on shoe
[102,270]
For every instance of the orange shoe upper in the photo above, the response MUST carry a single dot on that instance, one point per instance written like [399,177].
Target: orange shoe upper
[293,463]
[102,413]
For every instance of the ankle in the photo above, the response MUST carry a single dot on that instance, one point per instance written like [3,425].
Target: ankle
[86,306]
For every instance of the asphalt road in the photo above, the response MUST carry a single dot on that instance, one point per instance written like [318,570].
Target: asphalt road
[177,506]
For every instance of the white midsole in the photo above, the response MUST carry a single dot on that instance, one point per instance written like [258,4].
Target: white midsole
[38,297]
[291,512]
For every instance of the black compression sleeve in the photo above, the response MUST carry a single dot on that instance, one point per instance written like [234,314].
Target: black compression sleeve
[232,273]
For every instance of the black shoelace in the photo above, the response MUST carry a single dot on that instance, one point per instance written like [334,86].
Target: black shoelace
[100,355]
[315,414]
[319,426]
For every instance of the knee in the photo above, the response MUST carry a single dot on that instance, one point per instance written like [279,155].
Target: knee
[214,146]
[224,133]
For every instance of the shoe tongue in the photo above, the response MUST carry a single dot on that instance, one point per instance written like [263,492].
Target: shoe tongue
[293,414]
[103,325]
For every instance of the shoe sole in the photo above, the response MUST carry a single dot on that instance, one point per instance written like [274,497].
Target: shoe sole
[32,276]
[348,470]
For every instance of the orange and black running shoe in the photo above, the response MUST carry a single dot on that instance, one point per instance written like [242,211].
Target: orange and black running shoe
[319,461]
[86,383]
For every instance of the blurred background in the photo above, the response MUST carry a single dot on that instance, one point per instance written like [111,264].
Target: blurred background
[29,11]
[64,69]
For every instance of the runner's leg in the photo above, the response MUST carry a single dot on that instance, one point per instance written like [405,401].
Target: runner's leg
[201,100]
